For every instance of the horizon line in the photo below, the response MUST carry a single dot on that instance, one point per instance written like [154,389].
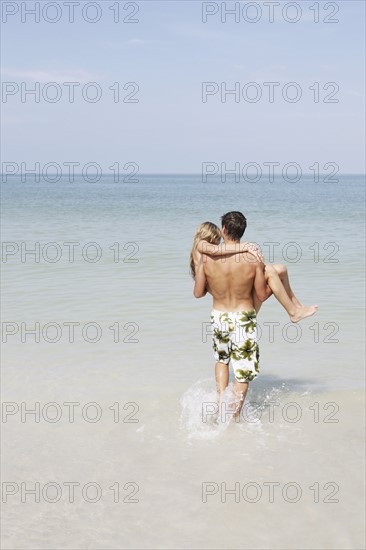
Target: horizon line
[181,174]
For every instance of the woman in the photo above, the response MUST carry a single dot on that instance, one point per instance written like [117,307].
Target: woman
[276,275]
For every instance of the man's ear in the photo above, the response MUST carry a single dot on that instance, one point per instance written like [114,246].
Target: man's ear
[223,231]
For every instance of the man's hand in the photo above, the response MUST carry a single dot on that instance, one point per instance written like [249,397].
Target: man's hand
[260,286]
[255,251]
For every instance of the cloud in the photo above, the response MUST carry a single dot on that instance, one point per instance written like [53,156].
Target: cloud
[353,93]
[274,72]
[113,45]
[136,41]
[38,75]
[198,32]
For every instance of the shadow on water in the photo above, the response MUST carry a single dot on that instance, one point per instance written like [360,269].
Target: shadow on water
[270,383]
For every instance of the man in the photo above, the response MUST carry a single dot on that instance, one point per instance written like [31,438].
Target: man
[231,281]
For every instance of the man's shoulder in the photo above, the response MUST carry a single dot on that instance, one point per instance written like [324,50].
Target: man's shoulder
[231,264]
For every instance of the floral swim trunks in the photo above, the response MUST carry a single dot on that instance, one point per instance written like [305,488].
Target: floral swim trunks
[235,339]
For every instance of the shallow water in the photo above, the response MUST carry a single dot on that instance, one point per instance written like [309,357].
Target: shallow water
[303,422]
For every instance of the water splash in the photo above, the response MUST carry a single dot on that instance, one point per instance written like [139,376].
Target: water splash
[203,416]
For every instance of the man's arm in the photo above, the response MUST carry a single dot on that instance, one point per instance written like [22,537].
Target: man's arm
[200,282]
[260,286]
[205,247]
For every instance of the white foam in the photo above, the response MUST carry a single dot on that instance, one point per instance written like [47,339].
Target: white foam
[204,417]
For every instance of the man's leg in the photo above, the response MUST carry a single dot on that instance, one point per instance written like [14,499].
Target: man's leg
[296,312]
[222,377]
[222,381]
[240,391]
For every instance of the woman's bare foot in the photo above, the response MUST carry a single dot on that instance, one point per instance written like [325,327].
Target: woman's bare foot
[296,302]
[302,312]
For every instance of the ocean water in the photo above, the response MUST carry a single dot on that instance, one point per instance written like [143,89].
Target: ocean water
[112,332]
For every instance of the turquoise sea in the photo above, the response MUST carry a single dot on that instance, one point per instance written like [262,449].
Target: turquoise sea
[97,307]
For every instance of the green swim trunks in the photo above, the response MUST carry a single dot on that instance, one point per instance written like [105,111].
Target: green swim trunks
[234,340]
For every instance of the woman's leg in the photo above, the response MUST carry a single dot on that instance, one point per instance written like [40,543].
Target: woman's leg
[283,274]
[296,311]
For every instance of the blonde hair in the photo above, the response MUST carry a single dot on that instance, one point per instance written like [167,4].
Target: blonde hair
[209,232]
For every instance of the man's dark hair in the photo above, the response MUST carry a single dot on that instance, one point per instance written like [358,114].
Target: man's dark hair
[235,224]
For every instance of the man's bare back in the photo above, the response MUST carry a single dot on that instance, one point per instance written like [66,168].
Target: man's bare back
[231,281]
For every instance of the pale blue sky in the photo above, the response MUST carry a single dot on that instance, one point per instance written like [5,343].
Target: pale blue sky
[169,53]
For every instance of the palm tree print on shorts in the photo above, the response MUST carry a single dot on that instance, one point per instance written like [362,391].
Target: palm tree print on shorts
[235,340]
[248,320]
[244,375]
